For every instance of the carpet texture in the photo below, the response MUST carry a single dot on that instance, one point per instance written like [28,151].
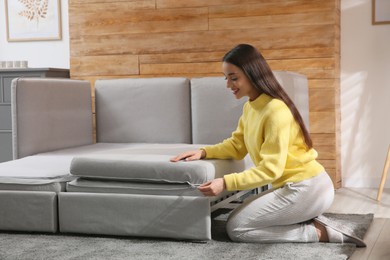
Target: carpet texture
[65,247]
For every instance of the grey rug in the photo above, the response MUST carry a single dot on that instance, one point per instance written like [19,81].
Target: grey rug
[63,247]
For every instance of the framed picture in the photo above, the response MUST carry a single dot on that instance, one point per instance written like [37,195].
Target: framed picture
[380,11]
[33,20]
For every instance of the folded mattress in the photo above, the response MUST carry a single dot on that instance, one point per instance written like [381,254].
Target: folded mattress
[151,168]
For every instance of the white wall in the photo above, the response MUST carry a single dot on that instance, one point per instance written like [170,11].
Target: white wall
[365,95]
[39,54]
[365,85]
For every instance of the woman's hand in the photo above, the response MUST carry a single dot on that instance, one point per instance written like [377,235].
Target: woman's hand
[212,188]
[190,156]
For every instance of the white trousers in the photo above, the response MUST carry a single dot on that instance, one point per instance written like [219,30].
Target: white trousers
[284,214]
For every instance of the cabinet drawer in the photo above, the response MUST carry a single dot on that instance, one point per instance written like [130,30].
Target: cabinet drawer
[5,117]
[5,146]
[7,88]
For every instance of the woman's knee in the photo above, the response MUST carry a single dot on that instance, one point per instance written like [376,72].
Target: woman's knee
[233,231]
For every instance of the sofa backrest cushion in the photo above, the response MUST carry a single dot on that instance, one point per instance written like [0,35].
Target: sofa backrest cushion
[147,110]
[215,111]
[296,86]
[50,114]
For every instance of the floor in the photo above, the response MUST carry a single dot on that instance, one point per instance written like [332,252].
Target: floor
[363,201]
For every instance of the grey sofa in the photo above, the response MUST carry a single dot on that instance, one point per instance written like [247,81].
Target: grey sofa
[123,184]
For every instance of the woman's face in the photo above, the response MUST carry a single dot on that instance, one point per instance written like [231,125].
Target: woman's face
[238,82]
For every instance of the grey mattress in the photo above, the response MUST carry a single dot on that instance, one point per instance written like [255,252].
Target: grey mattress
[151,163]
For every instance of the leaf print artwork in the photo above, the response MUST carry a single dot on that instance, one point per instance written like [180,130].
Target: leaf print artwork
[33,20]
[34,9]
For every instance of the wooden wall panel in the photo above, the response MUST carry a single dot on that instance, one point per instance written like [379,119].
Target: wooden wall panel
[158,38]
[267,8]
[131,21]
[101,65]
[271,21]
[196,3]
[202,41]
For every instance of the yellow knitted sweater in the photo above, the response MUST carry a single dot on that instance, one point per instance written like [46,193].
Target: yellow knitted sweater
[268,132]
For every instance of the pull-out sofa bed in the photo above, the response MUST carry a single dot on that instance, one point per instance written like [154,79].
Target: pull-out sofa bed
[61,180]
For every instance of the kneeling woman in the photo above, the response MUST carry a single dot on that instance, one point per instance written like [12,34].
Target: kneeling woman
[272,131]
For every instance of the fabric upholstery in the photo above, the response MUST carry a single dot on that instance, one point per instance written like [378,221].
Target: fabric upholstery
[53,187]
[152,110]
[296,86]
[28,211]
[124,165]
[128,187]
[38,169]
[46,171]
[215,111]
[50,114]
[179,217]
[145,188]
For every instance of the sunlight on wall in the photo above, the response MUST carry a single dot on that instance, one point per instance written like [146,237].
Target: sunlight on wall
[346,4]
[364,95]
[354,114]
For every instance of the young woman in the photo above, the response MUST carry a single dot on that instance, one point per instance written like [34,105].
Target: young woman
[272,131]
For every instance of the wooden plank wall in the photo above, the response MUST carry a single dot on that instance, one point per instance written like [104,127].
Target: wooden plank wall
[149,38]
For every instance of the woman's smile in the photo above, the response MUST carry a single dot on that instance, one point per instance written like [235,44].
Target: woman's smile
[238,82]
[235,91]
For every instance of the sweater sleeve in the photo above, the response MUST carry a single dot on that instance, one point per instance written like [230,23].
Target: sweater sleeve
[272,153]
[231,148]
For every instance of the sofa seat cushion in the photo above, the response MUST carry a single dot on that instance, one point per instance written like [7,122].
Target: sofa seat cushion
[151,165]
[35,173]
[35,169]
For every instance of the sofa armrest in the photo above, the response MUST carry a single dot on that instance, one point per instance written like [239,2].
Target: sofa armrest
[50,114]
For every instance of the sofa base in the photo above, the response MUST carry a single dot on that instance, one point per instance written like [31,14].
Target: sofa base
[31,211]
[178,217]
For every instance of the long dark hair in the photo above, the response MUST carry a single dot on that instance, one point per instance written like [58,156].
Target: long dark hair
[256,68]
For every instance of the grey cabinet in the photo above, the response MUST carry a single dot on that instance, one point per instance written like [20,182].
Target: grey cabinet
[6,76]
